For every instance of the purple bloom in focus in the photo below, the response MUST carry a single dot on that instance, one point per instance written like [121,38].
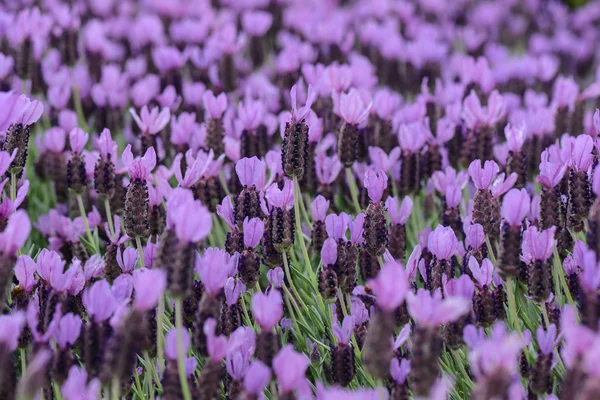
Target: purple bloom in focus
[329,252]
[442,242]
[253,231]
[319,207]
[139,169]
[375,183]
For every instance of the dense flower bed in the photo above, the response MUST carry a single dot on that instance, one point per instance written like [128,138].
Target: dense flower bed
[326,199]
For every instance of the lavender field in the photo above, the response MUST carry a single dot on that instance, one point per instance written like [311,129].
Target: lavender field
[299,199]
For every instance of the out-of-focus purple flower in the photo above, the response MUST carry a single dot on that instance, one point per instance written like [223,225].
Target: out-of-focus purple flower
[538,245]
[171,343]
[214,106]
[399,370]
[546,339]
[68,330]
[429,310]
[476,115]
[267,309]
[289,368]
[498,352]
[257,378]
[67,120]
[122,288]
[99,301]
[381,160]
[168,58]
[77,387]
[15,234]
[390,286]
[458,287]
[256,23]
[10,329]
[149,285]
[217,345]
[192,221]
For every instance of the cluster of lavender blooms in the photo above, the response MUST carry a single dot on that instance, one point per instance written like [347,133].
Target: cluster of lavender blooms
[299,199]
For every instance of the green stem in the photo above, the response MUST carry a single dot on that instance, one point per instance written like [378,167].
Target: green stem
[563,282]
[138,243]
[345,312]
[180,356]
[138,385]
[247,319]
[13,186]
[79,109]
[459,363]
[85,222]
[542,306]
[150,373]
[23,362]
[111,227]
[294,305]
[490,248]
[311,273]
[303,208]
[512,306]
[289,275]
[353,189]
[114,390]
[223,183]
[160,314]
